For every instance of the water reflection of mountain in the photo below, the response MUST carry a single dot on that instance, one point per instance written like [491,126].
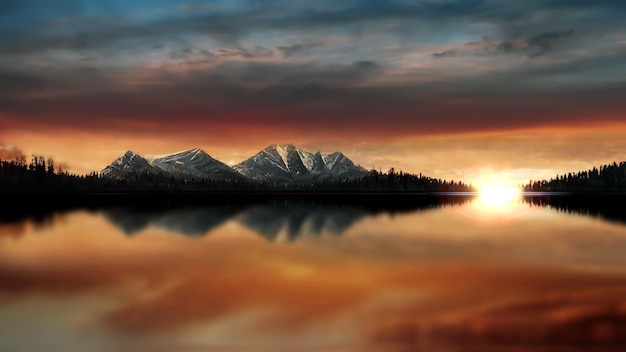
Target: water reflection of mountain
[274,217]
[607,207]
[289,220]
[271,220]
[194,222]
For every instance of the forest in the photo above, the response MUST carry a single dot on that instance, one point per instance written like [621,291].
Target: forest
[608,178]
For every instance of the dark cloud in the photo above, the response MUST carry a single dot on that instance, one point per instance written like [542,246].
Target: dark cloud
[294,49]
[507,46]
[310,96]
[198,54]
[366,65]
[192,54]
[34,10]
[537,45]
[451,52]
[14,82]
[239,52]
[99,56]
[532,46]
[603,4]
[544,42]
[230,27]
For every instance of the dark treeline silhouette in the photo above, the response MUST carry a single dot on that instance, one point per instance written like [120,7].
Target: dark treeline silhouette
[605,179]
[607,207]
[392,181]
[40,176]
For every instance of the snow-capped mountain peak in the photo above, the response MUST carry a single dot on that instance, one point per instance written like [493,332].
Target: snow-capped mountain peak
[289,164]
[196,163]
[127,157]
[128,163]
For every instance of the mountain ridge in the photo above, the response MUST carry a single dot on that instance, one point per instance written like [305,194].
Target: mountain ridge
[127,164]
[283,164]
[195,162]
[288,164]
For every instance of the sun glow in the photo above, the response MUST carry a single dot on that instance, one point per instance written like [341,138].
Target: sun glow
[498,201]
[497,196]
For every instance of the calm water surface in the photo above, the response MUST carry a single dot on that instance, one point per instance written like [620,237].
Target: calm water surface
[454,275]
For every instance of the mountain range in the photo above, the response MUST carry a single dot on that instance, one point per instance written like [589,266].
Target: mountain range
[283,164]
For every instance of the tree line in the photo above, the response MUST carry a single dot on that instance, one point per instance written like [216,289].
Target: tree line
[606,178]
[41,175]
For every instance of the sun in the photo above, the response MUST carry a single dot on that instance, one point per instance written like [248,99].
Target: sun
[498,195]
[497,191]
[497,202]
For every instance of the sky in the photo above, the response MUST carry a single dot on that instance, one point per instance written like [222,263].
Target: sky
[478,90]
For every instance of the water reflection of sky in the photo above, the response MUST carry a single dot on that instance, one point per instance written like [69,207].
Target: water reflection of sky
[441,279]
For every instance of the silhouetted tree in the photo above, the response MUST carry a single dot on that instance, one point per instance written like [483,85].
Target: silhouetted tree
[606,178]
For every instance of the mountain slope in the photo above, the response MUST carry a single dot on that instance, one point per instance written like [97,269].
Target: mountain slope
[270,163]
[195,163]
[128,164]
[290,165]
[339,165]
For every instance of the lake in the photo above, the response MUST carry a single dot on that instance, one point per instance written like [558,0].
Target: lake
[453,273]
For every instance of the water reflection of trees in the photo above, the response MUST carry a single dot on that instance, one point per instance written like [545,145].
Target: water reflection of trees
[607,207]
[274,217]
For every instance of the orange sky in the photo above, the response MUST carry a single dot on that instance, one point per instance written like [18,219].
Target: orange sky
[509,157]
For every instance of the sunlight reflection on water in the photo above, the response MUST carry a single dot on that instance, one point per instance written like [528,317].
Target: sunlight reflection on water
[506,209]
